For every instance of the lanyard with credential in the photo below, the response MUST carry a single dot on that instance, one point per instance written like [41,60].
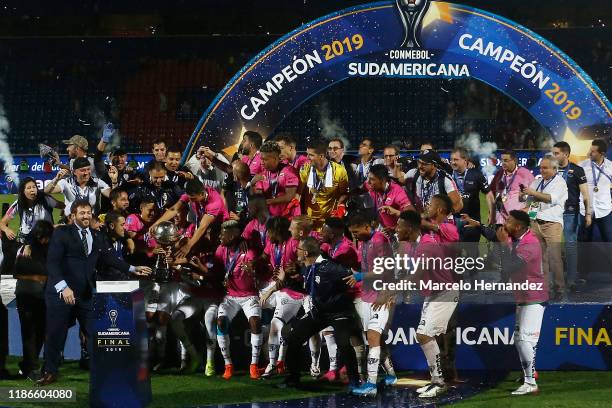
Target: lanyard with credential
[543,185]
[230,262]
[508,184]
[278,255]
[456,177]
[600,172]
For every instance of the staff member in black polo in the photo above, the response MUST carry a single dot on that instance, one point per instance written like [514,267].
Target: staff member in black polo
[470,183]
[576,181]
[73,255]
[332,305]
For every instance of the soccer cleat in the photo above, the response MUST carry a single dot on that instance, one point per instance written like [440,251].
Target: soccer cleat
[330,376]
[315,371]
[229,371]
[209,371]
[526,388]
[268,372]
[353,385]
[423,388]
[280,367]
[366,390]
[390,380]
[254,372]
[433,390]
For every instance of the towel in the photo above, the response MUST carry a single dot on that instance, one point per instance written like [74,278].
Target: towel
[329,177]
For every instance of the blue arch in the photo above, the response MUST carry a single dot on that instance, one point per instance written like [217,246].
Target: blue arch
[454,39]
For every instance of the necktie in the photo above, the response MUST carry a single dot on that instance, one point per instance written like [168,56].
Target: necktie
[84,241]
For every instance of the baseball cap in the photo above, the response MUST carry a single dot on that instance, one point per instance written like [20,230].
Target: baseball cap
[117,151]
[431,157]
[78,141]
[80,162]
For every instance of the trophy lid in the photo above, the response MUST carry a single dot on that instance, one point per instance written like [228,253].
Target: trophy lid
[166,233]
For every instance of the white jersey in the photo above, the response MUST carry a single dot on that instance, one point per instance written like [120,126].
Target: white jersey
[72,192]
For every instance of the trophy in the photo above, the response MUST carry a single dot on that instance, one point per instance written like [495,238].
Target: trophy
[411,13]
[47,152]
[166,234]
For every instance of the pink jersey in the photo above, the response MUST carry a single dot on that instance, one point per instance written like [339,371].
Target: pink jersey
[343,253]
[256,235]
[213,206]
[508,188]
[394,196]
[378,246]
[428,247]
[240,283]
[529,250]
[143,240]
[447,233]
[282,254]
[298,161]
[254,163]
[275,184]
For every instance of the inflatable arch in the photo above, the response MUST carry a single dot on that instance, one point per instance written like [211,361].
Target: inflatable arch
[408,39]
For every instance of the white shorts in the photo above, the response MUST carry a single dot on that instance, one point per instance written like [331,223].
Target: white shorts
[231,305]
[150,290]
[170,295]
[379,319]
[528,322]
[286,307]
[437,311]
[271,302]
[364,310]
[191,305]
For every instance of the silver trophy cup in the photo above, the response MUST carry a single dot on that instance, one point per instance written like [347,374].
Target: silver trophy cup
[166,234]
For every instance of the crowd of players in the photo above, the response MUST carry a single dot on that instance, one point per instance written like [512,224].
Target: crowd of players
[270,228]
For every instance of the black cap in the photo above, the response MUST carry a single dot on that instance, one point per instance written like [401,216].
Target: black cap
[117,151]
[80,162]
[431,157]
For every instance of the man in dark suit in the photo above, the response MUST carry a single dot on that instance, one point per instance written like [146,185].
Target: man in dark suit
[115,239]
[74,253]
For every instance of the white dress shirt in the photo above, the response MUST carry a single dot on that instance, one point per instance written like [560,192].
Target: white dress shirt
[557,188]
[601,200]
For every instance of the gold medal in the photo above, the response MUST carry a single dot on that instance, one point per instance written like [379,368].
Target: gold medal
[504,198]
[596,189]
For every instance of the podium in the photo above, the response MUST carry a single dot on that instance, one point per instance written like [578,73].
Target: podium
[119,371]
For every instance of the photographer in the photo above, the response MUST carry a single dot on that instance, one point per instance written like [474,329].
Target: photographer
[31,275]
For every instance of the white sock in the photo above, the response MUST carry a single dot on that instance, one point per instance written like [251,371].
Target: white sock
[256,340]
[224,345]
[527,351]
[314,343]
[432,354]
[282,351]
[210,349]
[274,340]
[210,323]
[183,351]
[332,351]
[373,363]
